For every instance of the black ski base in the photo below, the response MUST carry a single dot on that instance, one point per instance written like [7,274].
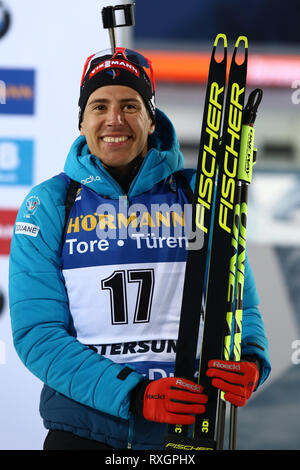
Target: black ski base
[176,442]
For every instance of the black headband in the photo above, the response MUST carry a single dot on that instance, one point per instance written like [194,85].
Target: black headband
[116,72]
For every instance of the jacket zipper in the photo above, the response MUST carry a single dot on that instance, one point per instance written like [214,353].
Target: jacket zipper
[130,432]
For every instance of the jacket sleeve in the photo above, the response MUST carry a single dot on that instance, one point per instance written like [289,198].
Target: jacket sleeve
[40,318]
[254,339]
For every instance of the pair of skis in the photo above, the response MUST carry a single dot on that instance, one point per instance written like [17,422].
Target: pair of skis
[214,278]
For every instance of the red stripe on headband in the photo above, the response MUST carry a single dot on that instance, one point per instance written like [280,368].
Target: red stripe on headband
[85,67]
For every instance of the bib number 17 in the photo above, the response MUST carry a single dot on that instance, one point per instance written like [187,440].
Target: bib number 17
[116,284]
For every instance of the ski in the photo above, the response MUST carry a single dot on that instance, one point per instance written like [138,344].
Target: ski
[221,249]
[207,271]
[246,162]
[202,212]
[236,269]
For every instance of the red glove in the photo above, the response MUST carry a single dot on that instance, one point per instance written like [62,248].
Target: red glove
[236,379]
[173,400]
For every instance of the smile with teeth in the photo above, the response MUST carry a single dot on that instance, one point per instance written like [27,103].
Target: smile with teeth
[115,140]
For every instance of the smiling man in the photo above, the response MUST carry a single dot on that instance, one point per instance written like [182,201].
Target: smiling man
[117,125]
[99,324]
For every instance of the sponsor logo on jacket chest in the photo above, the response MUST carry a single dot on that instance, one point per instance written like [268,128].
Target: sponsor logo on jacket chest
[162,226]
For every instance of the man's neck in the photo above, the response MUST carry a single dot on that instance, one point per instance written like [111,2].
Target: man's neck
[125,175]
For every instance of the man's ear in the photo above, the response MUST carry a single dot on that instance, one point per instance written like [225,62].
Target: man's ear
[152,128]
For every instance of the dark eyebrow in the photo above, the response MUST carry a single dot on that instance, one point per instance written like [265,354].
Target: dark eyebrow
[125,100]
[98,101]
[105,101]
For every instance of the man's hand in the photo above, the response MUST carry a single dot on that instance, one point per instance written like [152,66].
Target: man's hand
[168,400]
[236,379]
[173,400]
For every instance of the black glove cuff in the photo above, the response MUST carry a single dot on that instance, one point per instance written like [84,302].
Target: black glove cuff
[255,360]
[137,397]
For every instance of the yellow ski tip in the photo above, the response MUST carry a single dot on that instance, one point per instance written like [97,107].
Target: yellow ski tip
[220,36]
[242,39]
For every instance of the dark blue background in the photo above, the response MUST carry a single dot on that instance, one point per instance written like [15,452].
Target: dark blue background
[198,20]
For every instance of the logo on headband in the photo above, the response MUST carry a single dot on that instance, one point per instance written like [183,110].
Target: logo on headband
[114,63]
[113,73]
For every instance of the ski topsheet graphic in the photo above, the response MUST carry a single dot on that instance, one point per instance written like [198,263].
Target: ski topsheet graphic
[224,170]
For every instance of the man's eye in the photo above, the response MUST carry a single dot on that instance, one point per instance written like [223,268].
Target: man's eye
[99,107]
[130,107]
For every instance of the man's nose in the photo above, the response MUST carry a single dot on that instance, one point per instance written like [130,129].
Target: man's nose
[115,116]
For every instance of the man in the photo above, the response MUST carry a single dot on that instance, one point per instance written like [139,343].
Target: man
[95,307]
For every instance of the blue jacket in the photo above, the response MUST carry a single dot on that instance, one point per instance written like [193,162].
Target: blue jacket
[83,391]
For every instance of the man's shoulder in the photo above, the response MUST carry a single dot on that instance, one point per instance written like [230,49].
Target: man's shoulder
[55,188]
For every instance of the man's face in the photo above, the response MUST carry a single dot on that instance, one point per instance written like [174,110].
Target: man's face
[116,125]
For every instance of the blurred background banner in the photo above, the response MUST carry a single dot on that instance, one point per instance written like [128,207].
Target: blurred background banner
[43,46]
